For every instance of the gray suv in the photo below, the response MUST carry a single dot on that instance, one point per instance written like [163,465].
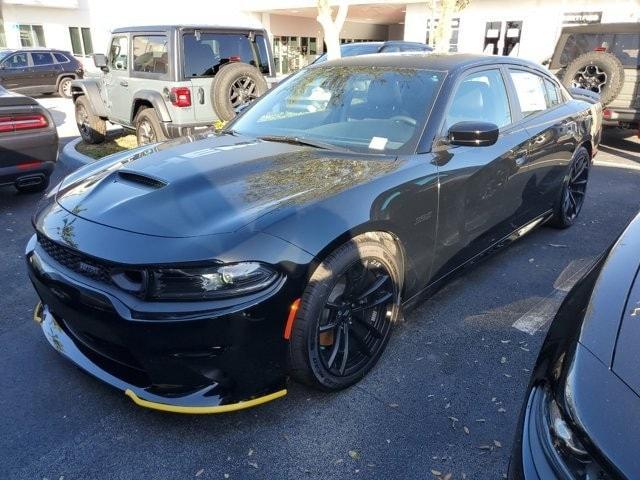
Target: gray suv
[169,81]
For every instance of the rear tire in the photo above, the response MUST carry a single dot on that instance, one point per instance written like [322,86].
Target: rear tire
[330,317]
[92,128]
[148,128]
[64,87]
[234,86]
[574,188]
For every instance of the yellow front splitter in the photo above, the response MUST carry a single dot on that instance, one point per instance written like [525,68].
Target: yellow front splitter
[165,407]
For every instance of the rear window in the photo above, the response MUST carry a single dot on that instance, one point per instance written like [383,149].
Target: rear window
[61,58]
[622,45]
[205,53]
[42,58]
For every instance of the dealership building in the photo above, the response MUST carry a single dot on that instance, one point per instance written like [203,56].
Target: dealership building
[524,28]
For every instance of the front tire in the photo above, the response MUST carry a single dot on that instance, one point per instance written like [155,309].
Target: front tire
[148,128]
[574,189]
[92,128]
[347,313]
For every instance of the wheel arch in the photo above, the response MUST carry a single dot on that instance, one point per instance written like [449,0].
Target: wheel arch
[385,231]
[64,75]
[150,99]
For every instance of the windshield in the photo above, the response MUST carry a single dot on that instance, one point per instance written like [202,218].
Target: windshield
[360,108]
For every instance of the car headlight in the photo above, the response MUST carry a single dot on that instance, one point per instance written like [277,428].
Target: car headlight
[209,283]
[565,451]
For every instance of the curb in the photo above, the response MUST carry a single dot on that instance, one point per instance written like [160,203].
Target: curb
[72,158]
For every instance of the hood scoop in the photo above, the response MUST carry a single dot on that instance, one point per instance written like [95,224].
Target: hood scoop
[141,179]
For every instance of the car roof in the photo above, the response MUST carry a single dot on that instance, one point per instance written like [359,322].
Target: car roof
[149,28]
[447,62]
[604,28]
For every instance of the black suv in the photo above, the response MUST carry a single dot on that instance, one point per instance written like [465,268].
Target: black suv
[39,70]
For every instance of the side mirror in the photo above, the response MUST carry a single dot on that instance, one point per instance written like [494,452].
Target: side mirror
[473,134]
[100,61]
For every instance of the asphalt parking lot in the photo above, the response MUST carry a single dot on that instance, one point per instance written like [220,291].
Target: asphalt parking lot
[444,398]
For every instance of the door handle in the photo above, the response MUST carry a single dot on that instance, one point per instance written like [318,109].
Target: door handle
[124,83]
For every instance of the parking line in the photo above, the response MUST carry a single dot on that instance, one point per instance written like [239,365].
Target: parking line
[544,311]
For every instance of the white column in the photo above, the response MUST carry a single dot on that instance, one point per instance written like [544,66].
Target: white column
[415,22]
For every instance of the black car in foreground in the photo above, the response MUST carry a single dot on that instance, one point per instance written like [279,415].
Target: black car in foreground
[197,274]
[366,48]
[582,411]
[34,71]
[28,143]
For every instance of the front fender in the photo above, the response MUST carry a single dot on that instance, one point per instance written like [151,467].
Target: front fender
[90,88]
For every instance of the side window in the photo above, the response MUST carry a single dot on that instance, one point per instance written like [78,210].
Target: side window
[119,53]
[553,95]
[17,60]
[61,58]
[530,90]
[41,58]
[481,96]
[263,55]
[150,54]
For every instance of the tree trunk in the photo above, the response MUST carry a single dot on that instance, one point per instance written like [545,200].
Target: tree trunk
[443,31]
[331,27]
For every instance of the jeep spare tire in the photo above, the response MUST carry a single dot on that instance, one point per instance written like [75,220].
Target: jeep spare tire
[600,72]
[234,86]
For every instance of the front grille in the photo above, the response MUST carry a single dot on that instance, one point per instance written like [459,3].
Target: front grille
[76,261]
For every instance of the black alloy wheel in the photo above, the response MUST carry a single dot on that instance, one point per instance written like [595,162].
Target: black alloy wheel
[576,187]
[573,191]
[347,313]
[591,77]
[356,319]
[242,91]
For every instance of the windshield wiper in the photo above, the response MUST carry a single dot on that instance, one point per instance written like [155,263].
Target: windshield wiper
[299,141]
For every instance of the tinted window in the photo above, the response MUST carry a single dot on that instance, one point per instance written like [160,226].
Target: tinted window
[481,96]
[204,56]
[61,58]
[363,109]
[530,91]
[622,45]
[42,58]
[150,54]
[263,55]
[119,53]
[553,94]
[18,60]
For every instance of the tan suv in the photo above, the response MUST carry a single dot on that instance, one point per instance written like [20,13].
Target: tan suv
[603,58]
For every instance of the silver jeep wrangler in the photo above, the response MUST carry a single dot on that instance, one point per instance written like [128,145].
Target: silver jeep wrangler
[169,81]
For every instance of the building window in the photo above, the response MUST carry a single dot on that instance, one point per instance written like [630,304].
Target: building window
[293,53]
[455,28]
[81,43]
[3,41]
[32,36]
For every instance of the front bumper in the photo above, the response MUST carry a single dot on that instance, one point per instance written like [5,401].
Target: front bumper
[207,361]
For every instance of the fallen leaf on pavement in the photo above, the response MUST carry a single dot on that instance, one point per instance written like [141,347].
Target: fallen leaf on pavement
[353,454]
[199,472]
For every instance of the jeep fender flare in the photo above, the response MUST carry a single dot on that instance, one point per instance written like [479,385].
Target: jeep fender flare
[90,88]
[157,102]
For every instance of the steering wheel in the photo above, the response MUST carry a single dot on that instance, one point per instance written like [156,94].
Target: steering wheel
[404,119]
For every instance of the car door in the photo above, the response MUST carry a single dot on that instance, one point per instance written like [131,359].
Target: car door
[116,89]
[15,72]
[552,130]
[478,205]
[45,71]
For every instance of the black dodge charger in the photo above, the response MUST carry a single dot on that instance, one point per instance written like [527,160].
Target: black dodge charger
[197,275]
[582,410]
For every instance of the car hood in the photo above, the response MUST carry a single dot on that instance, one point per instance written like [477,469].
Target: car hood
[210,184]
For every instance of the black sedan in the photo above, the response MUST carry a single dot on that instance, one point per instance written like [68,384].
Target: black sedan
[197,275]
[28,143]
[582,412]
